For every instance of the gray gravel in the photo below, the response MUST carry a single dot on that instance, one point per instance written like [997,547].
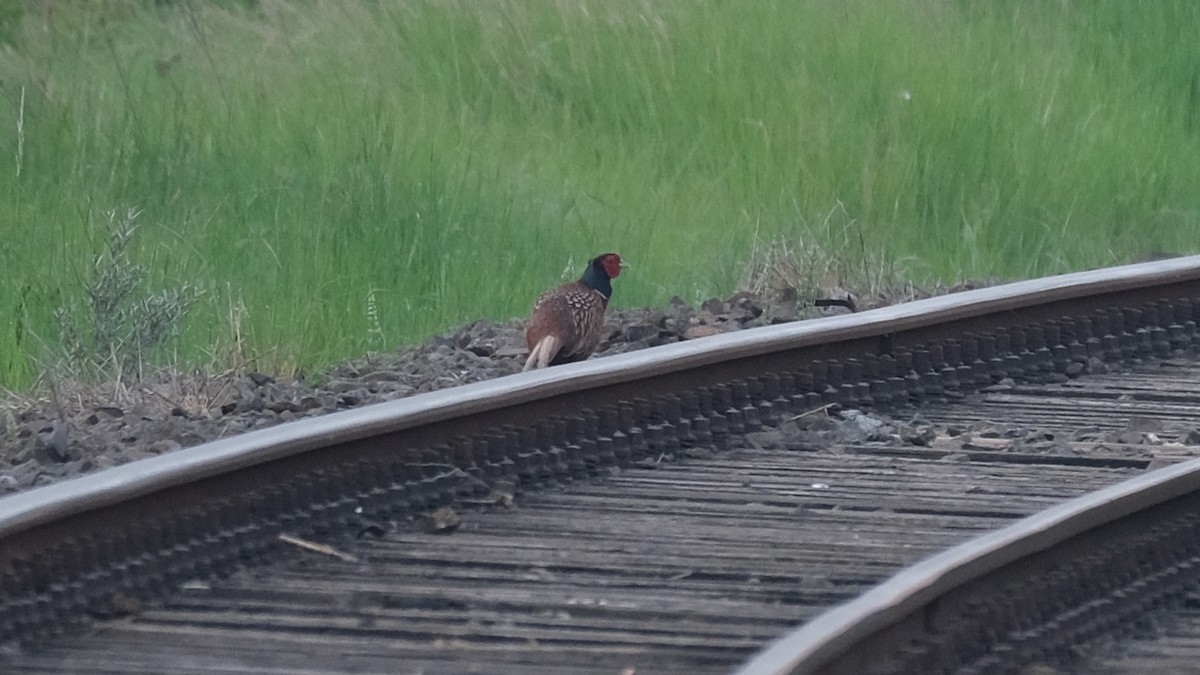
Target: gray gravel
[86,428]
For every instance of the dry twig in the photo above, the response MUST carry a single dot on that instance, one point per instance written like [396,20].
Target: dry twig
[318,548]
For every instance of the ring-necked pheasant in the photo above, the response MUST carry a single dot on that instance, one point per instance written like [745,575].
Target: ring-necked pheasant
[568,321]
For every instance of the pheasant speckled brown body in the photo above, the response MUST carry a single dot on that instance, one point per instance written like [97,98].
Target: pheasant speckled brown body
[567,322]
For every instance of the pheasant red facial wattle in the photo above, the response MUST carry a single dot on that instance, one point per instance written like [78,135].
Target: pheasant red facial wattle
[612,264]
[568,321]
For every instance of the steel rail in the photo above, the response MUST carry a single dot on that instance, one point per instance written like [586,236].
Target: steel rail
[848,638]
[133,528]
[38,506]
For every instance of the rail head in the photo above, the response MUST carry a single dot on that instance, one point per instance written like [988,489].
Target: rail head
[65,548]
[31,508]
[847,628]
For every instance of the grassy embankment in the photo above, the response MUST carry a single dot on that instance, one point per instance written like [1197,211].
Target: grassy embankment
[336,178]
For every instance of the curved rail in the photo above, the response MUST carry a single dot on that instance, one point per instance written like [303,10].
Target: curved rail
[865,634]
[130,529]
[116,484]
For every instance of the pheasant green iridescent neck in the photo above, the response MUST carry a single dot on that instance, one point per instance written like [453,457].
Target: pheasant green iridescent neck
[596,278]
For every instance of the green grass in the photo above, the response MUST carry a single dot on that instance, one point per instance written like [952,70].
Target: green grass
[452,158]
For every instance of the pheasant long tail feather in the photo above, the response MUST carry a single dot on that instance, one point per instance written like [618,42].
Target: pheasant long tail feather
[543,352]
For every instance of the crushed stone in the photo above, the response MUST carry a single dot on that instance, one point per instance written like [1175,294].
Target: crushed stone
[92,427]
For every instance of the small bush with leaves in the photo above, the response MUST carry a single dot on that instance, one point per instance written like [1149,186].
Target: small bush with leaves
[125,322]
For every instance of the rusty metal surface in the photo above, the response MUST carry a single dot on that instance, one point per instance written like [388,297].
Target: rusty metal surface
[910,592]
[686,568]
[135,532]
[1165,645]
[29,509]
[850,629]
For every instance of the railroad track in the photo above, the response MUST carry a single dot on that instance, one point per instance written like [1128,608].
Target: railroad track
[133,533]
